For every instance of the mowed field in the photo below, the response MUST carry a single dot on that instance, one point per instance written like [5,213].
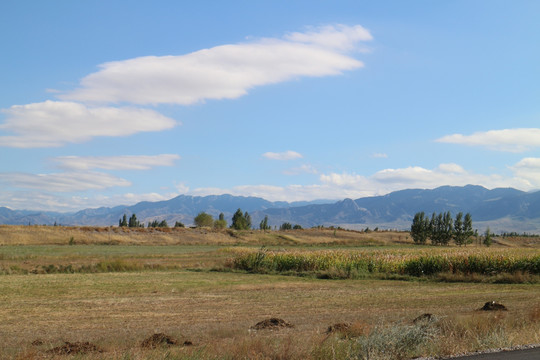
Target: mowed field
[106,290]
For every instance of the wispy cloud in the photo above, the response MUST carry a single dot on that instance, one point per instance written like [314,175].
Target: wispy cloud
[303,169]
[511,140]
[124,162]
[223,72]
[64,202]
[56,123]
[287,155]
[338,37]
[379,155]
[63,182]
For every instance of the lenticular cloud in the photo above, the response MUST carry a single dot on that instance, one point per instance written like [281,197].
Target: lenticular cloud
[223,72]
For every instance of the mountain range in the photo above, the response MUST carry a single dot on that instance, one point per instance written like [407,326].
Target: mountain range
[502,209]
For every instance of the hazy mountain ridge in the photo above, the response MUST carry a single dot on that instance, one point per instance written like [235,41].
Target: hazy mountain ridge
[503,209]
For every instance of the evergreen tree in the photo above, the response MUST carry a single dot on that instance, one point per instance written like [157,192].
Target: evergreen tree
[123,222]
[133,222]
[264,224]
[241,221]
[285,226]
[420,229]
[248,220]
[488,237]
[459,236]
[178,224]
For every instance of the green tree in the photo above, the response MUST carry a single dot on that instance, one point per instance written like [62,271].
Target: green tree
[133,222]
[285,226]
[178,224]
[203,220]
[420,229]
[248,220]
[123,222]
[488,237]
[297,227]
[459,235]
[441,228]
[220,223]
[463,230]
[241,221]
[264,224]
[163,224]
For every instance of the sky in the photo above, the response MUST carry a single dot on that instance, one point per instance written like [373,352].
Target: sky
[108,102]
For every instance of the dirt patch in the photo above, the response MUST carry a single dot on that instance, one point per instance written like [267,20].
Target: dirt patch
[493,306]
[339,327]
[158,340]
[424,318]
[75,348]
[272,323]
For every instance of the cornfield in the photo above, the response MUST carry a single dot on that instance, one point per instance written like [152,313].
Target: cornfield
[410,262]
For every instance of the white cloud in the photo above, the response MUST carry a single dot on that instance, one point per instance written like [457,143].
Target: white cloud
[528,169]
[222,72]
[526,176]
[511,140]
[304,169]
[55,123]
[44,201]
[338,37]
[347,185]
[287,155]
[379,155]
[125,162]
[63,182]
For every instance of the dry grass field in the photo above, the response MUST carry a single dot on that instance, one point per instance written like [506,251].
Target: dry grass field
[103,295]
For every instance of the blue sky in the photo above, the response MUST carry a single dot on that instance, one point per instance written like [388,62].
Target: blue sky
[114,102]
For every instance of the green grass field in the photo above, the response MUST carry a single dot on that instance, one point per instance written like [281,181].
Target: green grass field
[190,293]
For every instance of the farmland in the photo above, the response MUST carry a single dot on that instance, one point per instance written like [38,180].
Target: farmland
[113,289]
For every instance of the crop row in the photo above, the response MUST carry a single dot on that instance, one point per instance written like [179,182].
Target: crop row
[388,262]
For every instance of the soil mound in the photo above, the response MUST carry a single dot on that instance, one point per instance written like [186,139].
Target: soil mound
[339,327]
[157,340]
[75,348]
[272,323]
[424,318]
[493,306]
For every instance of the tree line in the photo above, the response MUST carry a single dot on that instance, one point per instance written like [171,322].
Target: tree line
[240,221]
[133,222]
[442,228]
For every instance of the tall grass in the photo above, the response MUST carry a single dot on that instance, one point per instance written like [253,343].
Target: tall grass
[417,263]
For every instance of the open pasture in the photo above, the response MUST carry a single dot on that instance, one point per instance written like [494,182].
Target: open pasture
[189,292]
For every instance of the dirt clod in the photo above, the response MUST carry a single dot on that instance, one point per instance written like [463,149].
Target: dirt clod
[272,323]
[75,348]
[157,340]
[424,318]
[339,327]
[493,306]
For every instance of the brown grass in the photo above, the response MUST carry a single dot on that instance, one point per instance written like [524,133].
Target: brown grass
[214,311]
